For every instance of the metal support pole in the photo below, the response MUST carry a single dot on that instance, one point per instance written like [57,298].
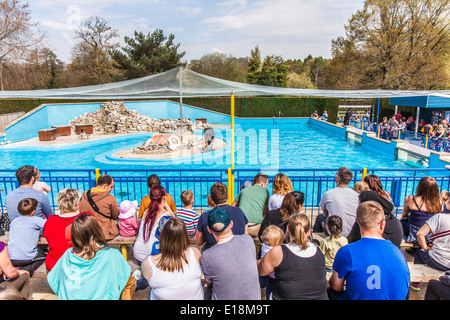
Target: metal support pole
[231,170]
[181,104]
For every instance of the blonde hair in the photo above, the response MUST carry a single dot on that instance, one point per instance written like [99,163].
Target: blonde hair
[68,199]
[361,186]
[299,227]
[282,184]
[272,236]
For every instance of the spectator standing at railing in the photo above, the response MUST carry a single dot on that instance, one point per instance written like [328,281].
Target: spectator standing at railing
[410,124]
[440,131]
[26,177]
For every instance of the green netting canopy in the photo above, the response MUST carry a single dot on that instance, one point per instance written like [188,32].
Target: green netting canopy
[184,82]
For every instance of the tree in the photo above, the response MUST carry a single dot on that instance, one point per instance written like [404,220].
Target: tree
[91,60]
[148,54]
[219,65]
[393,44]
[17,32]
[254,66]
[274,72]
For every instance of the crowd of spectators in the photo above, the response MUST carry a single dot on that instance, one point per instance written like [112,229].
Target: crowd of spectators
[362,242]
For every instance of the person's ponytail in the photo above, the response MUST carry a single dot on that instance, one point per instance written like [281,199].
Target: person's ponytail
[156,195]
[299,226]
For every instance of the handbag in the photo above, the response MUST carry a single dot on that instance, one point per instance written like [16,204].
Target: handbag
[4,223]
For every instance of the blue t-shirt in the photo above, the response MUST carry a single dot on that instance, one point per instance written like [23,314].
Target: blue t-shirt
[24,233]
[237,216]
[13,198]
[374,269]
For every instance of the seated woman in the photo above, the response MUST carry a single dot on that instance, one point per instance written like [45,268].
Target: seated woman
[56,226]
[90,270]
[292,204]
[437,255]
[12,277]
[281,186]
[158,208]
[299,266]
[175,272]
[420,207]
[393,230]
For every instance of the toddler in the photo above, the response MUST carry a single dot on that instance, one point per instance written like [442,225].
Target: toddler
[189,216]
[24,234]
[272,236]
[331,244]
[361,186]
[40,185]
[128,224]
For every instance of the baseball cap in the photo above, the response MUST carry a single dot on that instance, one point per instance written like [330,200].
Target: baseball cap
[218,215]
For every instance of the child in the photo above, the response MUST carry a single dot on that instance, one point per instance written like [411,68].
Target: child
[24,235]
[189,216]
[360,186]
[271,237]
[40,185]
[330,245]
[128,224]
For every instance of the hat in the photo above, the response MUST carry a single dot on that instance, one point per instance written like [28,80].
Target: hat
[218,215]
[127,209]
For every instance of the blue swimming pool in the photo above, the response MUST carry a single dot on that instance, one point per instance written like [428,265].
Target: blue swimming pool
[290,145]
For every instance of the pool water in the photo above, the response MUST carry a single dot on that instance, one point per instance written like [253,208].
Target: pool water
[286,146]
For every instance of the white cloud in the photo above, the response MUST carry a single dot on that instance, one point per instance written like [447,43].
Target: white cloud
[289,28]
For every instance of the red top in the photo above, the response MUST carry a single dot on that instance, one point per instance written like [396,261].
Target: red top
[54,232]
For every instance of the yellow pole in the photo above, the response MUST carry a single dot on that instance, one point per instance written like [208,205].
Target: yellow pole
[364,173]
[426,142]
[379,128]
[231,170]
[97,175]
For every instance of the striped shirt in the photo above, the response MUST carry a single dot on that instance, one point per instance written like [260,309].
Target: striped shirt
[190,218]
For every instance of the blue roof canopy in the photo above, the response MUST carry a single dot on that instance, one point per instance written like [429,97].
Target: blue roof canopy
[427,101]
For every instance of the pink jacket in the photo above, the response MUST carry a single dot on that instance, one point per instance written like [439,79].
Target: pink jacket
[128,226]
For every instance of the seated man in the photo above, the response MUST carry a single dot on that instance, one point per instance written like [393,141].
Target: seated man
[372,268]
[219,198]
[254,202]
[341,201]
[154,180]
[102,205]
[230,265]
[26,177]
[324,116]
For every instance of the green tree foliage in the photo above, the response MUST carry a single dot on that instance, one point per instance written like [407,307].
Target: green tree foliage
[393,44]
[148,54]
[274,72]
[219,65]
[254,66]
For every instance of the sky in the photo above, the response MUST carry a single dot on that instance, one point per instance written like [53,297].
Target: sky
[291,29]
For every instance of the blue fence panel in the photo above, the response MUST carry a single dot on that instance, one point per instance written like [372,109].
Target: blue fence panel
[132,184]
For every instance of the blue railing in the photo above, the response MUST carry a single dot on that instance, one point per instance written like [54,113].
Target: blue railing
[132,184]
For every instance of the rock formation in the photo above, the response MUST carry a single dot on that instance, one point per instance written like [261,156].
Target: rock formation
[115,117]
